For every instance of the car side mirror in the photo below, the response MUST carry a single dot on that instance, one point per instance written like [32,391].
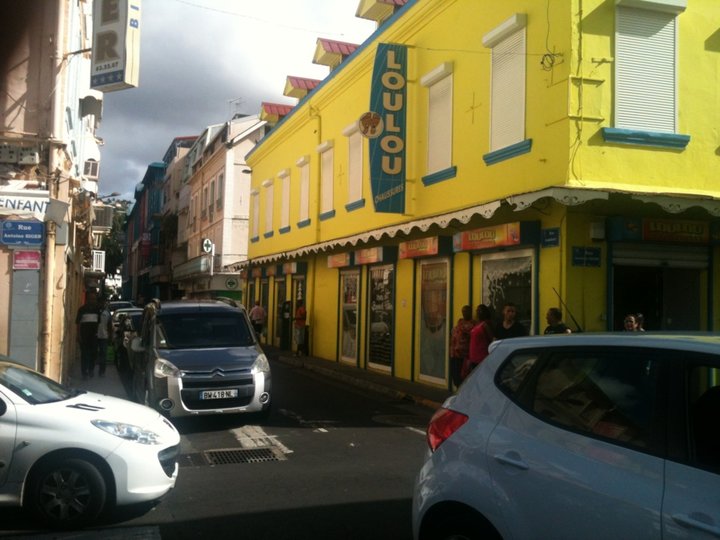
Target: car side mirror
[136,345]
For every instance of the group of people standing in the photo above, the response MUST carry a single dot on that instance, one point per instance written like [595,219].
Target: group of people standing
[470,338]
[94,328]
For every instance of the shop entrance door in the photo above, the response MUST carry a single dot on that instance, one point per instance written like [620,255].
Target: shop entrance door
[669,298]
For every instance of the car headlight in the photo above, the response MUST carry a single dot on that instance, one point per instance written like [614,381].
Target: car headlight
[163,368]
[261,365]
[128,432]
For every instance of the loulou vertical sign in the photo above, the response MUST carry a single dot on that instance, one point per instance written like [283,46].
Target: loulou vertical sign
[388,98]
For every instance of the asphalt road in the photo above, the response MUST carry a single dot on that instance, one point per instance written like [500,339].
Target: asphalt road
[332,461]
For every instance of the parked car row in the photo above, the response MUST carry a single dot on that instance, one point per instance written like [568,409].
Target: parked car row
[578,436]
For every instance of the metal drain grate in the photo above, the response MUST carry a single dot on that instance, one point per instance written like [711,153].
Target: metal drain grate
[230,456]
[243,455]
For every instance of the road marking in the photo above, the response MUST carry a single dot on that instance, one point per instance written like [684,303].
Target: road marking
[317,424]
[415,430]
[255,437]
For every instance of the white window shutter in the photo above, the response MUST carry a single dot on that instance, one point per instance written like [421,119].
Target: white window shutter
[256,214]
[269,203]
[355,167]
[645,67]
[304,192]
[285,204]
[326,204]
[508,92]
[440,125]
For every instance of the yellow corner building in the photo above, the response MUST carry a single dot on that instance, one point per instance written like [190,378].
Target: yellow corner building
[561,153]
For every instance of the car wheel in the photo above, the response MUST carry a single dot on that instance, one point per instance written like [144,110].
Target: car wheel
[67,492]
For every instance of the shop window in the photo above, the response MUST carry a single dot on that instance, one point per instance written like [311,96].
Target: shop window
[507,88]
[381,300]
[433,327]
[350,287]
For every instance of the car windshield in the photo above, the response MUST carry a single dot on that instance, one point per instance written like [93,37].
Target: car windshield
[31,386]
[203,330]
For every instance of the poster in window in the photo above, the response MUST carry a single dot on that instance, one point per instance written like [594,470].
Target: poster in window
[433,319]
[380,314]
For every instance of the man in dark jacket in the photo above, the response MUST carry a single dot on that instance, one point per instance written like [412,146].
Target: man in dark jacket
[87,321]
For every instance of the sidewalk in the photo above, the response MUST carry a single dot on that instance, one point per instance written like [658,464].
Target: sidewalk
[110,384]
[422,394]
[428,396]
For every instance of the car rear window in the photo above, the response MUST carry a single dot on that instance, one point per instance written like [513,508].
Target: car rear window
[203,330]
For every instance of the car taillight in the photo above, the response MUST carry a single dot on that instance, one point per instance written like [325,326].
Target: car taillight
[444,423]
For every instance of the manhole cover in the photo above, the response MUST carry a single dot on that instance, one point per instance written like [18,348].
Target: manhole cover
[401,420]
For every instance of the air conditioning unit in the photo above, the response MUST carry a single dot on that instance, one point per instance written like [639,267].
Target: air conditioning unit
[98,260]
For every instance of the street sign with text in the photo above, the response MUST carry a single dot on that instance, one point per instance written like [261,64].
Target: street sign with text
[22,233]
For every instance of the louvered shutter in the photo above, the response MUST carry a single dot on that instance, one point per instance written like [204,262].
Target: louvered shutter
[645,70]
[304,192]
[285,203]
[327,181]
[508,92]
[256,214]
[355,167]
[269,202]
[440,125]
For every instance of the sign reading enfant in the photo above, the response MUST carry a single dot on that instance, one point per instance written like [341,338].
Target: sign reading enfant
[387,149]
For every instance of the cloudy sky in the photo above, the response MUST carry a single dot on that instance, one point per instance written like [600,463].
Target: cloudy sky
[203,61]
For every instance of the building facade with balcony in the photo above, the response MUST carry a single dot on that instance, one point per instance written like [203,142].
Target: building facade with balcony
[560,154]
[215,227]
[49,160]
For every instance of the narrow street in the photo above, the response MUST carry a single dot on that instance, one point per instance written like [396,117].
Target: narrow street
[332,461]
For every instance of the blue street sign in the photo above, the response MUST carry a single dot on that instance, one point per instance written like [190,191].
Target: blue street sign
[22,233]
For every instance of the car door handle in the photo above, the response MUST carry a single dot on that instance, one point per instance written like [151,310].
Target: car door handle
[513,459]
[697,521]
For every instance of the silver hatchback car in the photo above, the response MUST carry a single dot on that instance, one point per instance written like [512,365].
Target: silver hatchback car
[578,436]
[199,357]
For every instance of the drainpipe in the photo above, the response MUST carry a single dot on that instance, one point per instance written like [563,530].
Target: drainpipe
[52,370]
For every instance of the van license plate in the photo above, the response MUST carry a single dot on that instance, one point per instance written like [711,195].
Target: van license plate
[219,394]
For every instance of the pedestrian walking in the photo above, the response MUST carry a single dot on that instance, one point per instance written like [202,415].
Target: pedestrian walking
[103,335]
[257,317]
[299,328]
[87,321]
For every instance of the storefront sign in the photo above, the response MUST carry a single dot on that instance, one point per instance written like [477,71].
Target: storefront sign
[507,234]
[22,233]
[339,260]
[271,270]
[116,45]
[387,148]
[369,255]
[256,272]
[586,256]
[30,205]
[667,230]
[26,260]
[424,247]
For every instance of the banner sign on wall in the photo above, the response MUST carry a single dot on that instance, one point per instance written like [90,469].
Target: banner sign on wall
[387,144]
[116,45]
[507,234]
